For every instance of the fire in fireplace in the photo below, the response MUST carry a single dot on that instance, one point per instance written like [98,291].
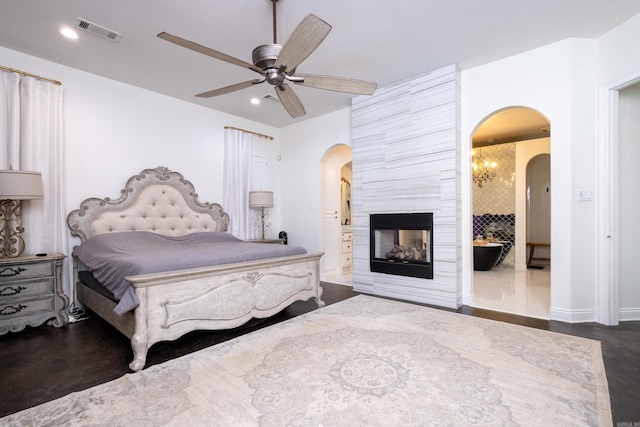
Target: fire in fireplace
[402,244]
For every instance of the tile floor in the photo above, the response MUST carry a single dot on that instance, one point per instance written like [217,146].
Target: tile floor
[504,289]
[344,277]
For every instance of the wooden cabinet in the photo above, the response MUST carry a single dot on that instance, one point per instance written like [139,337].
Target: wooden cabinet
[347,249]
[331,241]
[31,292]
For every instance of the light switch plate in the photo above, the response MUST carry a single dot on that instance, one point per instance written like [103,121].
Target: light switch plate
[585,195]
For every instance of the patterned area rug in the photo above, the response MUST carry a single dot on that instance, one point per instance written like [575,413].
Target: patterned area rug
[361,362]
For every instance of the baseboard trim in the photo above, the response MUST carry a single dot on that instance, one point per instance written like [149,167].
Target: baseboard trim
[628,314]
[467,299]
[572,316]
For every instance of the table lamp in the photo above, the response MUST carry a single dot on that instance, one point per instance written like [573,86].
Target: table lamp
[261,201]
[15,185]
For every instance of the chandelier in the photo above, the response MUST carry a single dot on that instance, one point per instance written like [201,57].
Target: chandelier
[482,170]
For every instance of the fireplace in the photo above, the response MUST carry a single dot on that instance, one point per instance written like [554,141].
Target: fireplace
[402,244]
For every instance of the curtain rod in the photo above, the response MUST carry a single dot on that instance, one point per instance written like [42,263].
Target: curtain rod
[248,131]
[35,76]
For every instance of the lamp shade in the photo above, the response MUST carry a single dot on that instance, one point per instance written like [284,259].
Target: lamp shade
[261,199]
[20,185]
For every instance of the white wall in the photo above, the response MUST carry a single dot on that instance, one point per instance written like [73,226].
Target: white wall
[113,131]
[303,146]
[618,54]
[556,80]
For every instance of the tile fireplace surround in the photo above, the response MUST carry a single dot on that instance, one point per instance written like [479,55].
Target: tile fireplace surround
[406,158]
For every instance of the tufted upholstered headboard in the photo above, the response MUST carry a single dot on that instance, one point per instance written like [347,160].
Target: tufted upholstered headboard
[156,200]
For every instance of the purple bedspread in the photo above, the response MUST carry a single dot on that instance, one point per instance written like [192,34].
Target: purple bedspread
[113,256]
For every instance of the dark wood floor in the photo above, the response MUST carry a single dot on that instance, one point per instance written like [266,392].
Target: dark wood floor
[44,363]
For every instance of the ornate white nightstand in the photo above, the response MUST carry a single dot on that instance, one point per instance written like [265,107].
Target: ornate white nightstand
[31,292]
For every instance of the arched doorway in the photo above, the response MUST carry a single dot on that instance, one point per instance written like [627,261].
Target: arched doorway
[336,182]
[538,187]
[504,144]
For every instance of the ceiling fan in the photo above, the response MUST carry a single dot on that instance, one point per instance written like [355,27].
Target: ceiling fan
[277,64]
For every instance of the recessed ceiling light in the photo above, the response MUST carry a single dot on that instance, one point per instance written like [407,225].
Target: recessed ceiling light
[255,101]
[69,33]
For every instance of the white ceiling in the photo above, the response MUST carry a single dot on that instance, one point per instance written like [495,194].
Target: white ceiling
[375,40]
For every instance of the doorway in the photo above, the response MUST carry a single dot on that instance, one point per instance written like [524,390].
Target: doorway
[627,176]
[336,232]
[539,211]
[506,167]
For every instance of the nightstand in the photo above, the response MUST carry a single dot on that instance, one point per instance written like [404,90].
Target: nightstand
[31,292]
[347,249]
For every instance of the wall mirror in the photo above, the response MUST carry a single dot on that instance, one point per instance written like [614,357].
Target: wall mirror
[345,196]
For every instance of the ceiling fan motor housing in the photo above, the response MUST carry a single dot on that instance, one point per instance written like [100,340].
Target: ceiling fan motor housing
[265,56]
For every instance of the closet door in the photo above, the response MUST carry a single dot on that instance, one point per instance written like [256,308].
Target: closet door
[332,235]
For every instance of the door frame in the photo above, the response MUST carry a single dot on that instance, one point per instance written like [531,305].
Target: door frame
[607,277]
[331,163]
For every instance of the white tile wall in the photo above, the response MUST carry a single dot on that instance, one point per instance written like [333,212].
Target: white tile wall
[406,158]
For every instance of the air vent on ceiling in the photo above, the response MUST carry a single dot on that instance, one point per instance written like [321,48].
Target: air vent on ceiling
[98,30]
[271,98]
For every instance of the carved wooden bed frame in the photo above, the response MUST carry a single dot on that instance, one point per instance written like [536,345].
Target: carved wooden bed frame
[176,302]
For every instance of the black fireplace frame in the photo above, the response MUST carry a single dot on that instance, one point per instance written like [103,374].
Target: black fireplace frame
[404,221]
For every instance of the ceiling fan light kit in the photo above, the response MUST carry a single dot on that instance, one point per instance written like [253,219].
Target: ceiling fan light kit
[277,64]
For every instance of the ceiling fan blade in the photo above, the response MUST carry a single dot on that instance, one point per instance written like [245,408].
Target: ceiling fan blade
[208,51]
[304,39]
[338,84]
[290,101]
[228,89]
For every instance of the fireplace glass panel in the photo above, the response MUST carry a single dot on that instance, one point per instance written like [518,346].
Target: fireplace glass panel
[402,244]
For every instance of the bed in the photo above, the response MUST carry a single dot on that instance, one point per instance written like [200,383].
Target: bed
[168,304]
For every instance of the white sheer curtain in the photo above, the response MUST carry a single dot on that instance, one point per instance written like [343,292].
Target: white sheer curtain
[10,120]
[237,172]
[31,121]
